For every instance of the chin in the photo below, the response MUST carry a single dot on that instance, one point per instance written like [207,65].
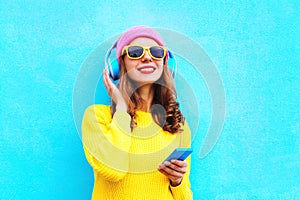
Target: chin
[145,78]
[146,82]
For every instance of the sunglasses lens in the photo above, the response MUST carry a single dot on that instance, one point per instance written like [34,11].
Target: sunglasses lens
[135,51]
[157,52]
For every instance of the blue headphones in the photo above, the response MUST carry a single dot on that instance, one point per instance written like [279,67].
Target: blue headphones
[112,65]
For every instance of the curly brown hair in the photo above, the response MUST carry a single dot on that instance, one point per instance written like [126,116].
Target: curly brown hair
[167,114]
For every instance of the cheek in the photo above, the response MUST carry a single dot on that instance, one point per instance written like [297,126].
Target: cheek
[159,63]
[129,64]
[160,68]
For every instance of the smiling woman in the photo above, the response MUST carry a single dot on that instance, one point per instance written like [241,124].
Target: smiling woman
[144,69]
[126,142]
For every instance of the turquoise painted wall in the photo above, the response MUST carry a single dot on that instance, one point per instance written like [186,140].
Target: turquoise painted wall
[254,45]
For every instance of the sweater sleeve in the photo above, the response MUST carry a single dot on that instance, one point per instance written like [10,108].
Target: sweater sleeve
[183,191]
[106,141]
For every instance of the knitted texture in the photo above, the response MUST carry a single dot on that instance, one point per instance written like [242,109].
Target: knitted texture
[125,162]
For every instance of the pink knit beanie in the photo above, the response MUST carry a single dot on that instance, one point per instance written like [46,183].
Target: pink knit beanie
[135,32]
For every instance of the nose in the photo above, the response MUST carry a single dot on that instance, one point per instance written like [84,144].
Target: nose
[146,56]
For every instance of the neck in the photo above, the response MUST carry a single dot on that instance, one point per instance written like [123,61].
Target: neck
[146,93]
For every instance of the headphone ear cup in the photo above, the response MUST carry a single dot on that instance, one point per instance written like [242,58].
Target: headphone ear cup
[111,63]
[172,63]
[114,69]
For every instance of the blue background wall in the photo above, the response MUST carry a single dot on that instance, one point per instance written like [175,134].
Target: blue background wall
[255,46]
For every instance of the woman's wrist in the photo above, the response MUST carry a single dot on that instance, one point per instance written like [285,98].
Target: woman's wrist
[175,183]
[121,107]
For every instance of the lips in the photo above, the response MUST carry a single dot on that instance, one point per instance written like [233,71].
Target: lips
[146,69]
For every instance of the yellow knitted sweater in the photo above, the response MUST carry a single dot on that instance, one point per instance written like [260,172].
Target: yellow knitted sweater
[125,162]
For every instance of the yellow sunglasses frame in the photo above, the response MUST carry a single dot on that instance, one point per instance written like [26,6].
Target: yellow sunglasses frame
[145,48]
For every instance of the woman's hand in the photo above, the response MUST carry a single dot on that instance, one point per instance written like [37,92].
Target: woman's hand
[114,92]
[174,170]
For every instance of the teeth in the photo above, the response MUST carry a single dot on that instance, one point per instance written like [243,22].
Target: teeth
[147,69]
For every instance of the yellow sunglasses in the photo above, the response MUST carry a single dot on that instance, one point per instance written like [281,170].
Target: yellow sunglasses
[137,51]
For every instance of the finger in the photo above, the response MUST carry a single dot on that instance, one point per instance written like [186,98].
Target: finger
[110,83]
[179,163]
[105,79]
[181,167]
[177,168]
[110,87]
[169,176]
[165,167]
